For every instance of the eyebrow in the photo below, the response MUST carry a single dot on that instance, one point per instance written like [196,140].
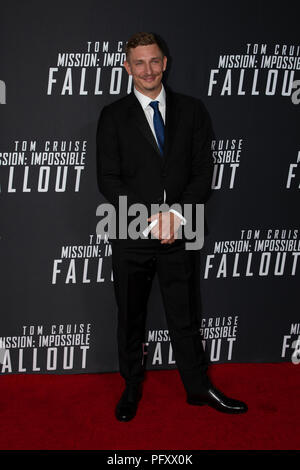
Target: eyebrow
[137,60]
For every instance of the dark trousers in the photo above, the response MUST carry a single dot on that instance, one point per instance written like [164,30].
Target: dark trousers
[134,266]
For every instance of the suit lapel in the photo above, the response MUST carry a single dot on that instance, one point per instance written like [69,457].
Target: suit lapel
[172,116]
[139,119]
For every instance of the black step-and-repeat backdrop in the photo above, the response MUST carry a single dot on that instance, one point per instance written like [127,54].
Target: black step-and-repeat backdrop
[60,63]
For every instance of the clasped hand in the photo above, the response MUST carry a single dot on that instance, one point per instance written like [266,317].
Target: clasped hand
[167,226]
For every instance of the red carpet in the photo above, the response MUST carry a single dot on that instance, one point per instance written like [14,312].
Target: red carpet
[77,411]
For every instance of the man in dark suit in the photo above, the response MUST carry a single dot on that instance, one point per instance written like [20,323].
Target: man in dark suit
[154,147]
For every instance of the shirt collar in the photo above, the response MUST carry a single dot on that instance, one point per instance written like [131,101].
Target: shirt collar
[145,100]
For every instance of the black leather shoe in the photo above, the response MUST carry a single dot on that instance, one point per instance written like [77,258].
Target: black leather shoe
[127,407]
[217,400]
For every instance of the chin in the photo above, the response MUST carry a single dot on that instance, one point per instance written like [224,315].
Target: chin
[151,87]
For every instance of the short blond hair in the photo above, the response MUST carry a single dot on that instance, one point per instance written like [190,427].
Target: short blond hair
[143,39]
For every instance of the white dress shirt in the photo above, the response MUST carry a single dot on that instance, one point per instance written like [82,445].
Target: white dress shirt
[149,112]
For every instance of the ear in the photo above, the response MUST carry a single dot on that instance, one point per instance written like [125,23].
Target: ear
[127,67]
[164,63]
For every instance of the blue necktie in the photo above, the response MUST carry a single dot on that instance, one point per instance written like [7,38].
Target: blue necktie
[159,126]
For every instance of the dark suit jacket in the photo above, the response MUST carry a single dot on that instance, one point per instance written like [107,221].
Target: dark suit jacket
[129,162]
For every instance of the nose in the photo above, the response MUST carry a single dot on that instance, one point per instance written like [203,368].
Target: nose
[148,69]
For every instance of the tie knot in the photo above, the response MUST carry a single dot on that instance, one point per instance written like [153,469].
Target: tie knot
[154,105]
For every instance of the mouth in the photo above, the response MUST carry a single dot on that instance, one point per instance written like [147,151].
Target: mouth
[149,79]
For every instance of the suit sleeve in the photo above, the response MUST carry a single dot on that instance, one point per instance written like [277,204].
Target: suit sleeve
[109,175]
[198,189]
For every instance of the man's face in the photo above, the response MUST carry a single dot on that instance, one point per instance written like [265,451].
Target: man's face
[146,64]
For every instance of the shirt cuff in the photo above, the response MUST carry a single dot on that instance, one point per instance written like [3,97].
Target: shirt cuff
[183,220]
